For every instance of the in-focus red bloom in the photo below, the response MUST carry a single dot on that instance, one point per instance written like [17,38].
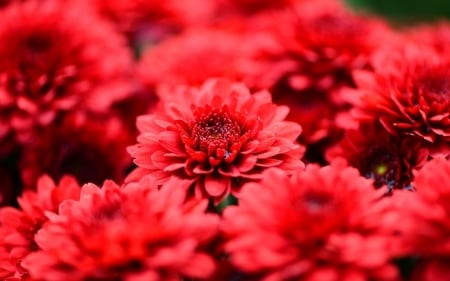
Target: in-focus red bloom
[137,232]
[91,149]
[389,160]
[409,94]
[18,227]
[55,58]
[319,224]
[425,224]
[218,136]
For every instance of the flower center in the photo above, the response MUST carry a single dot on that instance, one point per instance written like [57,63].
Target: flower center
[216,129]
[386,169]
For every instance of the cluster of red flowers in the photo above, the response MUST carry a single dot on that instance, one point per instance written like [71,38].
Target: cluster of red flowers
[221,140]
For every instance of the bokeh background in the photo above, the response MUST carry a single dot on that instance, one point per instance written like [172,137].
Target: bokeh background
[406,11]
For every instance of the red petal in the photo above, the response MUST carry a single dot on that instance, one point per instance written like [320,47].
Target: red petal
[216,185]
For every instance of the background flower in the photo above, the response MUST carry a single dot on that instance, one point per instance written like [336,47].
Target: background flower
[18,226]
[317,225]
[145,233]
[55,58]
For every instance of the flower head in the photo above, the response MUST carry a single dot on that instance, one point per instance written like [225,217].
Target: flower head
[18,226]
[218,136]
[322,43]
[125,233]
[425,227]
[148,21]
[318,224]
[408,93]
[56,57]
[389,160]
[90,149]
[206,53]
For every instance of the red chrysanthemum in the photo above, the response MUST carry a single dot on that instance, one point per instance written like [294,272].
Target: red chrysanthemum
[91,149]
[55,58]
[322,42]
[206,53]
[147,21]
[320,224]
[137,232]
[425,223]
[218,136]
[389,160]
[18,226]
[435,35]
[408,93]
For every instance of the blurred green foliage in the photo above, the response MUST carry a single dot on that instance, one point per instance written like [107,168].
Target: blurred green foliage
[405,11]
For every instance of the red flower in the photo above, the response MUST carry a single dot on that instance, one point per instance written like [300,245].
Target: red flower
[426,212]
[389,160]
[323,42]
[320,224]
[56,58]
[206,53]
[18,227]
[133,233]
[408,93]
[218,136]
[147,21]
[90,149]
[425,223]
[435,35]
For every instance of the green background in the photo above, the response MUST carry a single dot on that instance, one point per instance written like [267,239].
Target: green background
[405,11]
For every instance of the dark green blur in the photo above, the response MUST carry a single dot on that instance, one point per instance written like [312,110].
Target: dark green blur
[405,11]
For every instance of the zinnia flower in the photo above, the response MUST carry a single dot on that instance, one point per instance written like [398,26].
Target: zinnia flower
[408,93]
[91,149]
[137,232]
[389,160]
[55,58]
[218,136]
[320,224]
[18,226]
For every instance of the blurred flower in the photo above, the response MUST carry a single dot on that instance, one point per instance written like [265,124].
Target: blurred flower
[323,42]
[408,93]
[436,35]
[91,149]
[249,7]
[218,136]
[136,232]
[319,224]
[18,226]
[148,21]
[206,53]
[389,160]
[56,58]
[424,226]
